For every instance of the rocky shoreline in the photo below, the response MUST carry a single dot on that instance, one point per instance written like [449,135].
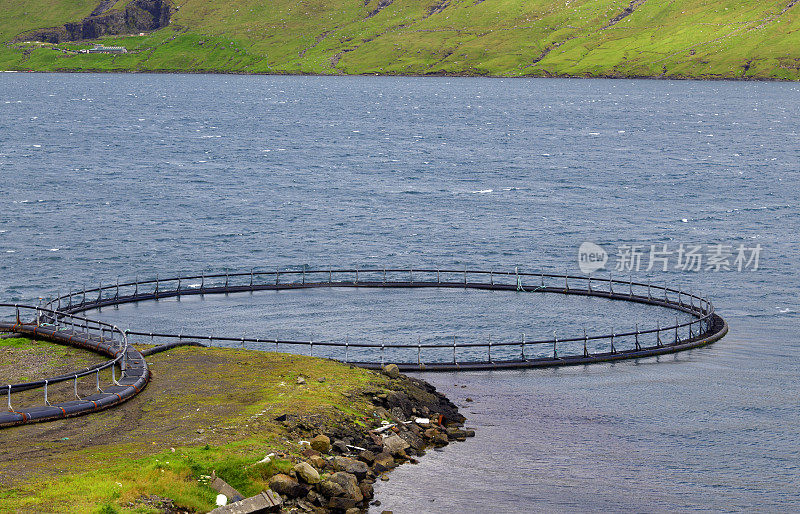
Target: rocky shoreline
[336,470]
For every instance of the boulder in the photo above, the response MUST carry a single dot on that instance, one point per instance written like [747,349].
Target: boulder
[394,444]
[349,483]
[391,371]
[367,456]
[318,461]
[354,467]
[321,443]
[440,439]
[330,488]
[340,503]
[340,446]
[413,440]
[384,462]
[456,433]
[307,473]
[286,485]
[367,491]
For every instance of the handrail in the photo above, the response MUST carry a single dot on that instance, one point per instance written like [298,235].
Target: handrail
[56,316]
[701,309]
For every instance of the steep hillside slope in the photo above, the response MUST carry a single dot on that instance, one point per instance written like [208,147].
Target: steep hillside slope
[677,38]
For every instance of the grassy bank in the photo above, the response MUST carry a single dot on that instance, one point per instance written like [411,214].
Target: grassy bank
[205,410]
[733,39]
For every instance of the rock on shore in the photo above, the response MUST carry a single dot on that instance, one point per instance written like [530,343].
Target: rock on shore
[338,471]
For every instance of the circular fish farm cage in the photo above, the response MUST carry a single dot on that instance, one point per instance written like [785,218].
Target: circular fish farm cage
[64,320]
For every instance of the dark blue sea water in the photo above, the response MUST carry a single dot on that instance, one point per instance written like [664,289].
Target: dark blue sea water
[122,175]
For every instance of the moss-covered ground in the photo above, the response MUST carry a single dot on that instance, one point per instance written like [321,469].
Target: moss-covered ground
[741,39]
[206,409]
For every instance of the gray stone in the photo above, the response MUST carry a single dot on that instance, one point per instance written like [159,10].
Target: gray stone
[394,444]
[286,485]
[330,489]
[383,462]
[349,483]
[341,503]
[413,440]
[367,491]
[391,371]
[354,467]
[367,456]
[266,501]
[306,473]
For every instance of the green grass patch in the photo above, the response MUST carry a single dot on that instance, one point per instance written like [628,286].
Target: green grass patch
[206,410]
[706,39]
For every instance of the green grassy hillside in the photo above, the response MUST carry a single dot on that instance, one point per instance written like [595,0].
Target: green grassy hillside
[677,38]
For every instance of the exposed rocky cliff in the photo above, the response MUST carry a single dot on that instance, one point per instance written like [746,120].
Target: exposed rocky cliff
[137,16]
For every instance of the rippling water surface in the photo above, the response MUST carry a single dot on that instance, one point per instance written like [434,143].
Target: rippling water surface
[124,175]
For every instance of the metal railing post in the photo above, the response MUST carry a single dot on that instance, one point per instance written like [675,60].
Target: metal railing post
[46,401]
[677,339]
[613,350]
[346,348]
[419,351]
[490,346]
[454,350]
[382,350]
[97,380]
[522,346]
[585,342]
[10,409]
[251,277]
[658,333]
[75,386]
[411,276]
[311,348]
[555,343]
[637,338]
[277,275]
